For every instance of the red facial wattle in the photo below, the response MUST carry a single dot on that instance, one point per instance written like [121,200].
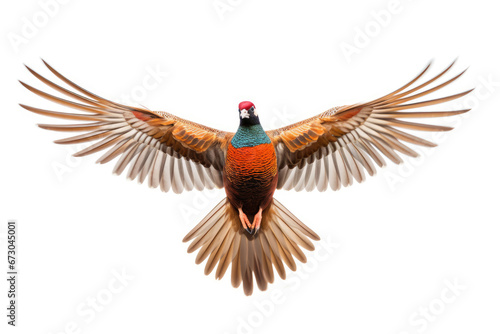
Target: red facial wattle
[246,105]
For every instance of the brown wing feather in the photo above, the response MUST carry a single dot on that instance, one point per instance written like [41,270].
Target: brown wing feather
[176,153]
[341,143]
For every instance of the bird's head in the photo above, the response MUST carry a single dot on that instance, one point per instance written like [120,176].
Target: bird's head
[248,114]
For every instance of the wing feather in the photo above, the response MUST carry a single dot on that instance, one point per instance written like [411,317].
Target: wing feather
[338,146]
[177,154]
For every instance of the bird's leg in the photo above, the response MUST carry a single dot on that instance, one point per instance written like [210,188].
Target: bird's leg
[244,221]
[257,219]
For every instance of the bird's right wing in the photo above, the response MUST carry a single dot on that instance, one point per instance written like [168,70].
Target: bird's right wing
[175,153]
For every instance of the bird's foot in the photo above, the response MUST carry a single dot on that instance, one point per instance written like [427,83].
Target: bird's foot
[244,221]
[257,219]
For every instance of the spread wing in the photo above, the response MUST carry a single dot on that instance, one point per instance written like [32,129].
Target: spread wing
[341,144]
[175,153]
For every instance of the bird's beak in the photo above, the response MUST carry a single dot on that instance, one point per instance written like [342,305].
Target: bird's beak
[244,113]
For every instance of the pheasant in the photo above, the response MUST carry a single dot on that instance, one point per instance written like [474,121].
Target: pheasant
[249,229]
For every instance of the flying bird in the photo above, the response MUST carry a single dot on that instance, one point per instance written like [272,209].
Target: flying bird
[249,229]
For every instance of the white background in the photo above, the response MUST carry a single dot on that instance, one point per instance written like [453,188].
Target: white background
[398,240]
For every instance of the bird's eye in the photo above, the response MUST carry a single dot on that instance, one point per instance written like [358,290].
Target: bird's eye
[252,110]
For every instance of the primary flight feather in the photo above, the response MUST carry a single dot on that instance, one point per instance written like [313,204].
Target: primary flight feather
[249,230]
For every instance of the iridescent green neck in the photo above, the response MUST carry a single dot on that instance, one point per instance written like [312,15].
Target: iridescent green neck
[249,136]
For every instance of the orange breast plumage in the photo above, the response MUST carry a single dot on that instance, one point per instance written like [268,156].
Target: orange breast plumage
[250,174]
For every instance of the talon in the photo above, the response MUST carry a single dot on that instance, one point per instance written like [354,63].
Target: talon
[245,222]
[257,219]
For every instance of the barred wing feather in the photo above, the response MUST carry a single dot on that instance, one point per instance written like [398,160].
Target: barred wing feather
[338,146]
[173,153]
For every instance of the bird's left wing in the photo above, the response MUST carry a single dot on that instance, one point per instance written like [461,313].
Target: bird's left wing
[339,145]
[175,153]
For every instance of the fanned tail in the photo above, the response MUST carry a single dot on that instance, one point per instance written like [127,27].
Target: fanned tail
[224,241]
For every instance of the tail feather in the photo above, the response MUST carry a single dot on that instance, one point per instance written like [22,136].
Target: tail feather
[224,241]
